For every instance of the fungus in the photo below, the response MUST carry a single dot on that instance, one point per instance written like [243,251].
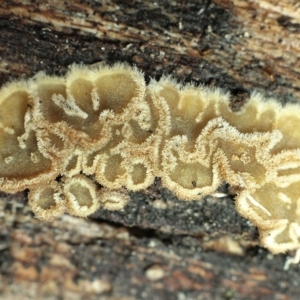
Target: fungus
[103,131]
[47,201]
[81,196]
[114,199]
[23,164]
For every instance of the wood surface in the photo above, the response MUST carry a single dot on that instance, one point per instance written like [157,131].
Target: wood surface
[159,247]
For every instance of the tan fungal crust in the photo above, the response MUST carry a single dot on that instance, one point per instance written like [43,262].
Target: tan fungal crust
[103,127]
[47,201]
[81,196]
[22,163]
[114,199]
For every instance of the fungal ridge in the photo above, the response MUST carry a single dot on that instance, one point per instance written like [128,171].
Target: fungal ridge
[81,141]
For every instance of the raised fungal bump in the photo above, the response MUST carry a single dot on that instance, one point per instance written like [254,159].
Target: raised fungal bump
[114,199]
[47,201]
[81,196]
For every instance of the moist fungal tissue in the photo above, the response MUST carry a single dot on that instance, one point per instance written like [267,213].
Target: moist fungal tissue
[102,131]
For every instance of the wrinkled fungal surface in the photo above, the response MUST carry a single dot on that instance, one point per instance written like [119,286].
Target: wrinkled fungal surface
[81,141]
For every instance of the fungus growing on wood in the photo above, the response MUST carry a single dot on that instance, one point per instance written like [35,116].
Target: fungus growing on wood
[114,199]
[81,196]
[22,163]
[47,201]
[81,141]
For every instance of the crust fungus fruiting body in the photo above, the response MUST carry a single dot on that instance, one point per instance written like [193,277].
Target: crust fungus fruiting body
[79,142]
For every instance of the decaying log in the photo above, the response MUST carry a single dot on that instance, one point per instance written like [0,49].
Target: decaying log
[159,247]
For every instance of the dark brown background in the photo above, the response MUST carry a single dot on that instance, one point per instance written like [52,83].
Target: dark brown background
[158,247]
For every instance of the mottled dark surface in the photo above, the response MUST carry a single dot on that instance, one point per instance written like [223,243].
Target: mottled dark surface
[159,247]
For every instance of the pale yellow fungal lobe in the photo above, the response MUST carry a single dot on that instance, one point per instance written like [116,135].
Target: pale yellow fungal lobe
[81,196]
[79,142]
[47,201]
[114,199]
[22,164]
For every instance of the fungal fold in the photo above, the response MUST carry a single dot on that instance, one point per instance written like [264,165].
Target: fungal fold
[82,141]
